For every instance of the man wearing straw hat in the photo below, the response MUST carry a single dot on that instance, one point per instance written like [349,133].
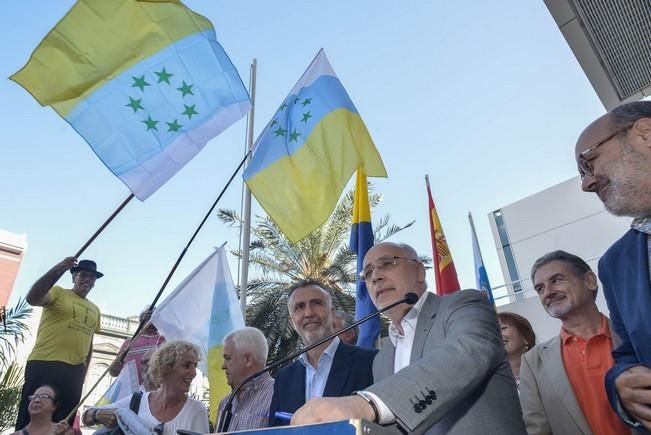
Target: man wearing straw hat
[65,335]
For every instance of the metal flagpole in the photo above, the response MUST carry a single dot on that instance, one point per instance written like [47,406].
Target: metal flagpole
[474,234]
[246,212]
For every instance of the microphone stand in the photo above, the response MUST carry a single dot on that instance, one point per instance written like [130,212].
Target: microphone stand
[227,414]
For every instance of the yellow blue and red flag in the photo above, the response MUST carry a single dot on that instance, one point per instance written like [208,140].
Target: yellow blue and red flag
[307,153]
[444,270]
[361,240]
[203,309]
[145,83]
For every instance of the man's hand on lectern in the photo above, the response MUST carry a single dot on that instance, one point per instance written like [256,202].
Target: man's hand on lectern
[324,409]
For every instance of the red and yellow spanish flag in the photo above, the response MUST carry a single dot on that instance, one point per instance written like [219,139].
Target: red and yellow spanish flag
[446,274]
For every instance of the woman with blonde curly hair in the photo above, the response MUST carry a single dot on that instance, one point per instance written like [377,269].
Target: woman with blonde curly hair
[167,409]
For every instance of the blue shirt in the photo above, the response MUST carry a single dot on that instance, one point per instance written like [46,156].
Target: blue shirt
[316,378]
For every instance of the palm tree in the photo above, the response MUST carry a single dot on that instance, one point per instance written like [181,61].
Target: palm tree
[323,255]
[13,328]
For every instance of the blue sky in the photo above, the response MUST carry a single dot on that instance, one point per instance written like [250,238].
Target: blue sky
[485,97]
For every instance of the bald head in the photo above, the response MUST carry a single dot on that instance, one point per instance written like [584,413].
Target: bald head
[598,131]
[392,270]
[614,158]
[406,250]
[617,120]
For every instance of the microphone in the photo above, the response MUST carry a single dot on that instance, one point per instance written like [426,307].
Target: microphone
[227,414]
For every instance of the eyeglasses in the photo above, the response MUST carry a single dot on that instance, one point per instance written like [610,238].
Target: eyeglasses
[159,428]
[41,396]
[585,165]
[384,263]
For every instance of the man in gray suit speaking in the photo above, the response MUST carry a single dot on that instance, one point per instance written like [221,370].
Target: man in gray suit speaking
[443,368]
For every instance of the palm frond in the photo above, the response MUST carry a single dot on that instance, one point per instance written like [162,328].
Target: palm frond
[13,330]
[11,382]
[276,263]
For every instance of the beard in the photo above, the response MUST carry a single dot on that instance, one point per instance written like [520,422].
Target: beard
[559,310]
[626,190]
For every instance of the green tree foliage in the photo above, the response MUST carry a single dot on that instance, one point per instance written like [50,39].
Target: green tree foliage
[12,332]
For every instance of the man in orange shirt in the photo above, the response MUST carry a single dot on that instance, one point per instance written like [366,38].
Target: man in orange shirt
[562,380]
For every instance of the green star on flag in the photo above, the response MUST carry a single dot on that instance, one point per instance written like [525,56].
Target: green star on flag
[274,122]
[150,123]
[307,116]
[135,104]
[163,76]
[139,82]
[189,111]
[293,136]
[173,126]
[280,132]
[306,102]
[185,89]
[282,106]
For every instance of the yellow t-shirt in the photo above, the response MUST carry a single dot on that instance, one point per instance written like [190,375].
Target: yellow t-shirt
[66,328]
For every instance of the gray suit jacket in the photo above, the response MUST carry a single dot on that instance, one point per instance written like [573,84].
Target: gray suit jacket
[458,362]
[548,401]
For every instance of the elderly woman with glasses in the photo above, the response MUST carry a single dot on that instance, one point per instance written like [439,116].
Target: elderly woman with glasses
[169,408]
[42,404]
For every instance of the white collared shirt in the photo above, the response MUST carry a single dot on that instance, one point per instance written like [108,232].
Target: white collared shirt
[403,342]
[316,378]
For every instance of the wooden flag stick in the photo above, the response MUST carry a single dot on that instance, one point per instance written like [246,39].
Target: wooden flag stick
[104,225]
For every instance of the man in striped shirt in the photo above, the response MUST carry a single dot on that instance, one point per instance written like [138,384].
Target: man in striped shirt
[245,352]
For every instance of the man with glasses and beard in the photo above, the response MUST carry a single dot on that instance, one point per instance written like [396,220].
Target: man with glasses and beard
[614,159]
[331,370]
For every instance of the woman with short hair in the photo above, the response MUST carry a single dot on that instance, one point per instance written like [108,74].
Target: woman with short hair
[169,408]
[518,338]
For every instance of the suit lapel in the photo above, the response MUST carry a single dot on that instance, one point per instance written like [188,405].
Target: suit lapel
[339,371]
[384,361]
[557,376]
[297,387]
[423,326]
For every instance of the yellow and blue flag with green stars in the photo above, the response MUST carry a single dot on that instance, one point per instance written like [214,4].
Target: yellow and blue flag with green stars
[145,83]
[307,153]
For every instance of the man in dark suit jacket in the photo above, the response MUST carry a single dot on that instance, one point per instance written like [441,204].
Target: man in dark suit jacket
[333,369]
[614,159]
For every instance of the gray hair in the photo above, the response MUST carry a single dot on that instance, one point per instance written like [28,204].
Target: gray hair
[576,263]
[626,115]
[252,340]
[347,319]
[407,249]
[308,283]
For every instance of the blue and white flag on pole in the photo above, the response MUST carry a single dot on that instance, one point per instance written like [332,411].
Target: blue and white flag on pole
[203,309]
[481,276]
